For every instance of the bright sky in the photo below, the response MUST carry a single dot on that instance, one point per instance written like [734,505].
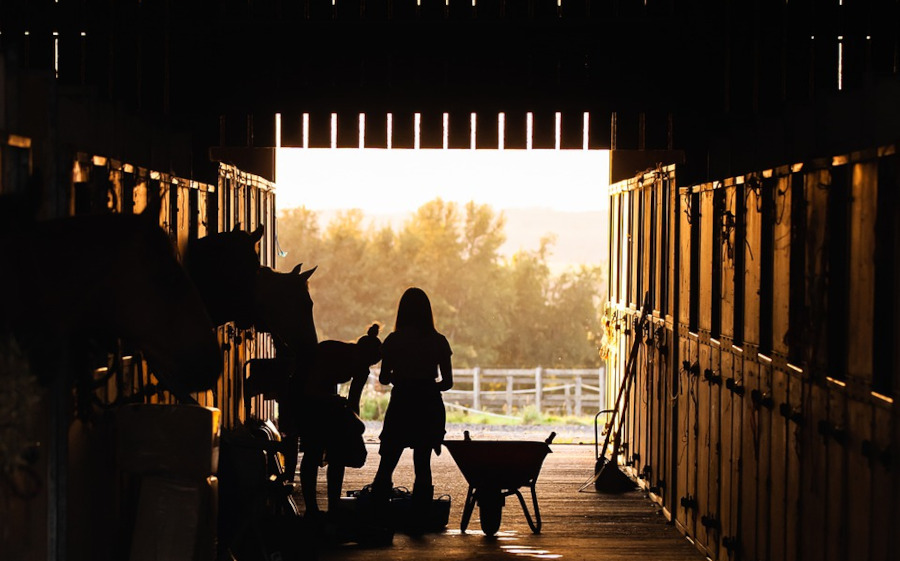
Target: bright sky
[400,180]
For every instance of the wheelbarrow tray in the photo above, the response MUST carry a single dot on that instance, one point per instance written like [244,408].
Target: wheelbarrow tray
[495,469]
[498,464]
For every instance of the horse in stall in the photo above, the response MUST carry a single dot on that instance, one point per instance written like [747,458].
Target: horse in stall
[224,266]
[283,307]
[100,278]
[280,305]
[235,288]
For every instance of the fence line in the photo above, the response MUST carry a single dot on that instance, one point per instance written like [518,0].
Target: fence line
[509,390]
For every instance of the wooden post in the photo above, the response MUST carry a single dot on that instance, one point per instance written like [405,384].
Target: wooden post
[567,404]
[476,388]
[577,395]
[538,387]
[509,394]
[601,383]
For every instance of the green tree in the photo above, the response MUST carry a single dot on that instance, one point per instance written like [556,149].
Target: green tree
[453,256]
[483,326]
[299,238]
[574,326]
[495,312]
[525,306]
[349,295]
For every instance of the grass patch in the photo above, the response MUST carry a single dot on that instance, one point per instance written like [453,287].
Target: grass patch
[373,406]
[531,415]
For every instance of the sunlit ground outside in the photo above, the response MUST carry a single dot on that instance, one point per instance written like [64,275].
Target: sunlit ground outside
[510,245]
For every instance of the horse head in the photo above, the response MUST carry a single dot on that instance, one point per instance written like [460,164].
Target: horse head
[224,267]
[284,308]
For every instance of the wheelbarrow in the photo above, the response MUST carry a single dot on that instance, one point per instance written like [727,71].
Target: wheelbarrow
[494,470]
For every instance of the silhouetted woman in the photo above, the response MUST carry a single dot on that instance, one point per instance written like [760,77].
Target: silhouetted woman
[416,360]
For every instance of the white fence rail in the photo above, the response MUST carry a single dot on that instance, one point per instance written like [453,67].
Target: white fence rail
[509,391]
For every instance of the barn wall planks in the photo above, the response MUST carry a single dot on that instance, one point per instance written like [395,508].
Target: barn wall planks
[759,422]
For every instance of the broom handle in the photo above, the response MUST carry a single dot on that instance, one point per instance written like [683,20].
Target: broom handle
[626,379]
[612,418]
[618,440]
[638,329]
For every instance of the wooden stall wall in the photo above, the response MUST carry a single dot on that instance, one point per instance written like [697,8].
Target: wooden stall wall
[763,419]
[71,512]
[246,201]
[642,262]
[187,210]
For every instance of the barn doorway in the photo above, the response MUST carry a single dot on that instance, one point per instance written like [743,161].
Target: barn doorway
[511,243]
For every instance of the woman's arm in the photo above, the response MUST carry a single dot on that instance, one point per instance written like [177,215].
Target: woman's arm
[446,375]
[357,383]
[385,377]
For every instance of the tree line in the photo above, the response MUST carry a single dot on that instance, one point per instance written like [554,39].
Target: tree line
[495,311]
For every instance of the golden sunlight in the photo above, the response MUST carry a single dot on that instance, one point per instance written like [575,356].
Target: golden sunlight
[395,180]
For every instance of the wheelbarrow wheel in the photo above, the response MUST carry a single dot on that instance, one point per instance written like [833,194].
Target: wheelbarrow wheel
[490,506]
[490,518]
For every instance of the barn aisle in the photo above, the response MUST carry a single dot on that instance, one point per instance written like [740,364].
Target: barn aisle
[576,525]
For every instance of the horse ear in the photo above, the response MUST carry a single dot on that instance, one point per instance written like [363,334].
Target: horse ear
[306,274]
[296,270]
[237,226]
[257,234]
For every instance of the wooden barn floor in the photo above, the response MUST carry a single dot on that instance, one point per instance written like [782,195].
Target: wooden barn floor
[583,525]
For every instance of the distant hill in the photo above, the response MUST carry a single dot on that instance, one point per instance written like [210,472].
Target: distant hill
[581,237]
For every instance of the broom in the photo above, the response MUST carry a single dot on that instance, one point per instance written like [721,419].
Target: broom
[608,478]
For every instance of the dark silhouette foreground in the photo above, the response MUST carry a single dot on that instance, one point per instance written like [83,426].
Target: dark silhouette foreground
[98,278]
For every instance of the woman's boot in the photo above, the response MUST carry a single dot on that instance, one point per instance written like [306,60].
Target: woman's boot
[420,514]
